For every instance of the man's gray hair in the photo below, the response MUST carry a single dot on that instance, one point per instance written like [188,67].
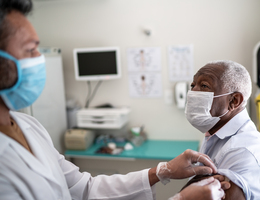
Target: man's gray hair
[235,78]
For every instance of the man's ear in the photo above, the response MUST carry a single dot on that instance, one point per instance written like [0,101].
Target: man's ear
[235,100]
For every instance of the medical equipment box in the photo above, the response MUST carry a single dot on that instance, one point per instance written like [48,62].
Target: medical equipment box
[78,139]
[102,118]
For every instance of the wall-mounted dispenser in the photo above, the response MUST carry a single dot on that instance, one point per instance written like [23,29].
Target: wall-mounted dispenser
[180,94]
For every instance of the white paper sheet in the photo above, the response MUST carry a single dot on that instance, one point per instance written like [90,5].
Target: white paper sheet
[145,85]
[144,59]
[144,69]
[180,62]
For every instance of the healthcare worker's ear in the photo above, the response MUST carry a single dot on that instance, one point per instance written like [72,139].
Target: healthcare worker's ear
[235,100]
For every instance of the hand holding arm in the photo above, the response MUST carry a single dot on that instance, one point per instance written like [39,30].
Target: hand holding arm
[182,166]
[232,191]
[225,184]
[207,189]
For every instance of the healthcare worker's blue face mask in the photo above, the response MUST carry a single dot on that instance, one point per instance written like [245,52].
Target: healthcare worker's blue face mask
[30,83]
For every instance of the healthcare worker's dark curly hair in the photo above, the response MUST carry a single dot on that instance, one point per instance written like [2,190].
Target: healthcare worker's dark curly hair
[8,72]
[6,6]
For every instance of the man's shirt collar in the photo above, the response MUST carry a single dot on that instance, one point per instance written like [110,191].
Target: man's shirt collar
[233,125]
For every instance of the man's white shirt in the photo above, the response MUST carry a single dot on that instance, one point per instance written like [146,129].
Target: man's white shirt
[235,150]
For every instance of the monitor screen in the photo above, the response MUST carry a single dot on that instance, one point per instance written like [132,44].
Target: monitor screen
[97,63]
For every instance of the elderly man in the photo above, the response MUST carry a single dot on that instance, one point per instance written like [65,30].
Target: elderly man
[216,107]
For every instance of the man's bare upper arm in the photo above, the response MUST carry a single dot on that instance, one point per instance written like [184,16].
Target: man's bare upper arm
[233,193]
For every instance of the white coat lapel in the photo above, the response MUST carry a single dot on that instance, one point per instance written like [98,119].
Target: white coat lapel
[31,161]
[38,162]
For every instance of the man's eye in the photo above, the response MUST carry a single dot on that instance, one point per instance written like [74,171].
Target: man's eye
[204,86]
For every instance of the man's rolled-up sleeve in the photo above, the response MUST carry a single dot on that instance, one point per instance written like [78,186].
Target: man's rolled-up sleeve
[241,167]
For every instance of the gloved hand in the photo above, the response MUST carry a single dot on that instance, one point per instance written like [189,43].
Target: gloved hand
[207,189]
[183,166]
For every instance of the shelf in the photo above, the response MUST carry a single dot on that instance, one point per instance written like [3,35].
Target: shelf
[150,149]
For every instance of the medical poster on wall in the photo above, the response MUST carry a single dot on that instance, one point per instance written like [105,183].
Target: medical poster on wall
[144,59]
[180,62]
[144,69]
[145,85]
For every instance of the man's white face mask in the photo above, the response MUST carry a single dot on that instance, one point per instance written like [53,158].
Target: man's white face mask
[198,108]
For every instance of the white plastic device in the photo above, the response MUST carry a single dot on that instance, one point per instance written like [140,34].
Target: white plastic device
[180,94]
[105,118]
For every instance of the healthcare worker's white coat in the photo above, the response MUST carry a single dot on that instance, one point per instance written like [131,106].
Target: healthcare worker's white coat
[47,175]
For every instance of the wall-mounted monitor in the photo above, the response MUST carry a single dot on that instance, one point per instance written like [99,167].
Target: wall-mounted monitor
[100,63]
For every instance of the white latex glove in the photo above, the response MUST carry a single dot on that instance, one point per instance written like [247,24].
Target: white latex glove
[207,189]
[183,166]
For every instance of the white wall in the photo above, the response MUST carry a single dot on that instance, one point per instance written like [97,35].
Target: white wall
[218,29]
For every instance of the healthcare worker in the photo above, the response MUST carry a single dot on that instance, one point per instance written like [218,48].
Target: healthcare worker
[30,166]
